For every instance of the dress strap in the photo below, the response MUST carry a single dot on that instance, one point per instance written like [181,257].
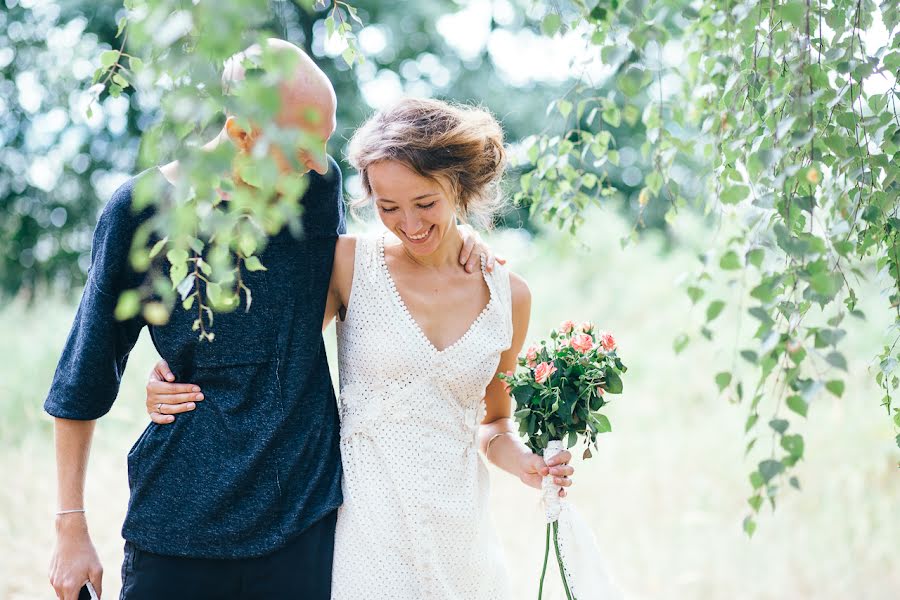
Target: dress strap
[499,279]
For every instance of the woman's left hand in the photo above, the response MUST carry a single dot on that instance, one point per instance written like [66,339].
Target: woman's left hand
[534,468]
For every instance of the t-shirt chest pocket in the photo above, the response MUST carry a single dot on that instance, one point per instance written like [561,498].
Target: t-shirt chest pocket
[241,336]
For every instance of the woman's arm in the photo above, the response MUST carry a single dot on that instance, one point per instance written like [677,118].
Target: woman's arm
[341,279]
[498,435]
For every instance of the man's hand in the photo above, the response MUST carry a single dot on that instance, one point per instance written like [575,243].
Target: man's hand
[166,399]
[473,248]
[75,559]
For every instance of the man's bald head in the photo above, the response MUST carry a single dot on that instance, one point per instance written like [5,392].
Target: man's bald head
[308,101]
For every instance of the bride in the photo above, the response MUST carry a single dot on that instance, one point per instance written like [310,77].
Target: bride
[420,342]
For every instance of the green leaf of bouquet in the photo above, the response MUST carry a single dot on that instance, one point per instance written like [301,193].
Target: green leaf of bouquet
[613,382]
[602,423]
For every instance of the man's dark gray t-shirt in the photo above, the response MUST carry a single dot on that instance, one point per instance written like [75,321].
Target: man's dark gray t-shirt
[258,461]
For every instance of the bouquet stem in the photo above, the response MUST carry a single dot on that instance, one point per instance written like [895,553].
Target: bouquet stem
[562,570]
[544,570]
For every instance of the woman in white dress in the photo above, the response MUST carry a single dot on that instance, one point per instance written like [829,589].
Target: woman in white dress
[420,343]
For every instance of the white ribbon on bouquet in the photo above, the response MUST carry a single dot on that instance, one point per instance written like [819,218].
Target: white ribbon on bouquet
[579,558]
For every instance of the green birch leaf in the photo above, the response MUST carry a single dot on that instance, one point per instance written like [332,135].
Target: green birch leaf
[836,387]
[551,24]
[797,404]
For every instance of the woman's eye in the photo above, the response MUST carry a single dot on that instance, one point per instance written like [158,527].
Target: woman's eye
[427,206]
[388,210]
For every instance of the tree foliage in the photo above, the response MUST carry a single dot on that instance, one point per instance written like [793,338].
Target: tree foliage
[792,115]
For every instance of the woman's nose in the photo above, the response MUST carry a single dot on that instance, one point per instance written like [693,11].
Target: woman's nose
[413,224]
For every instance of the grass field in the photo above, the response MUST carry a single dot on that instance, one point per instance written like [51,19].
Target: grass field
[665,495]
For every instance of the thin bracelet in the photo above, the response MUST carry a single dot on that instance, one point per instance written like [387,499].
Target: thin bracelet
[66,512]
[487,449]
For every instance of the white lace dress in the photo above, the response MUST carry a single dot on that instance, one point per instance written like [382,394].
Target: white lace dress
[414,524]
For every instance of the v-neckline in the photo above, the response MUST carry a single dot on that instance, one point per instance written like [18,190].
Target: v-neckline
[412,320]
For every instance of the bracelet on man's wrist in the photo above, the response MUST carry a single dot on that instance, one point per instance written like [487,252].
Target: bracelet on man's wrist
[70,511]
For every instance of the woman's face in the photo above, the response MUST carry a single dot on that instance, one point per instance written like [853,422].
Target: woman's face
[416,209]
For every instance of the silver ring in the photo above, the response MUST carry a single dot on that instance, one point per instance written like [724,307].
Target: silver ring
[158,407]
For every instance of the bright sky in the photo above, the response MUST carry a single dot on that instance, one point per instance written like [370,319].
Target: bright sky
[522,56]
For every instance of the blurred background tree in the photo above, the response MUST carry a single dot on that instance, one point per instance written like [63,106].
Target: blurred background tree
[58,166]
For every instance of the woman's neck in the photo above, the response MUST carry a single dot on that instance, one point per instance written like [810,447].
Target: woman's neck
[446,254]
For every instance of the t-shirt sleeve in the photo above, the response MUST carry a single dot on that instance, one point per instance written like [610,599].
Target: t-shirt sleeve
[93,359]
[323,204]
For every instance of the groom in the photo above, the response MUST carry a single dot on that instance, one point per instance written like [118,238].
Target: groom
[240,499]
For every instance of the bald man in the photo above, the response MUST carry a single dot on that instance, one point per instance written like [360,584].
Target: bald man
[238,499]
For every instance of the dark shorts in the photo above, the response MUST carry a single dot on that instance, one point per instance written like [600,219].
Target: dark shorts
[300,570]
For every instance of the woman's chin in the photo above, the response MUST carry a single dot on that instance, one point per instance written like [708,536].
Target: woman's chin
[422,247]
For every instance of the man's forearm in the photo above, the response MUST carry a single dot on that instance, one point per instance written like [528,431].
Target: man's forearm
[73,446]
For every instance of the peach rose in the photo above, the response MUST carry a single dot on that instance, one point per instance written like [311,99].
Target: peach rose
[566,326]
[582,342]
[543,372]
[531,356]
[607,341]
[586,326]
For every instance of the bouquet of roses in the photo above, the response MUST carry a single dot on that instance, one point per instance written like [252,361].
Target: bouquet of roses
[559,393]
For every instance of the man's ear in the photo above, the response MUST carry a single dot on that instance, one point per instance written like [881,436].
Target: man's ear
[238,135]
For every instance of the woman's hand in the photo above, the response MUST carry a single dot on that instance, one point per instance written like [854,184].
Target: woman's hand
[534,468]
[166,398]
[473,248]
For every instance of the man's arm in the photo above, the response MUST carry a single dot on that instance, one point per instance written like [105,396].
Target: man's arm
[74,559]
[85,385]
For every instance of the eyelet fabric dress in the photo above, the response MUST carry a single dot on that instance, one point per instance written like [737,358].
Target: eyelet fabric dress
[415,522]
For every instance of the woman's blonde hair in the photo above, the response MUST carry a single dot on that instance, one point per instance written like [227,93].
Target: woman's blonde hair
[462,145]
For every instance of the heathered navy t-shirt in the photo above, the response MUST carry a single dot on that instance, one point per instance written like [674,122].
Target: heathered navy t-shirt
[258,461]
